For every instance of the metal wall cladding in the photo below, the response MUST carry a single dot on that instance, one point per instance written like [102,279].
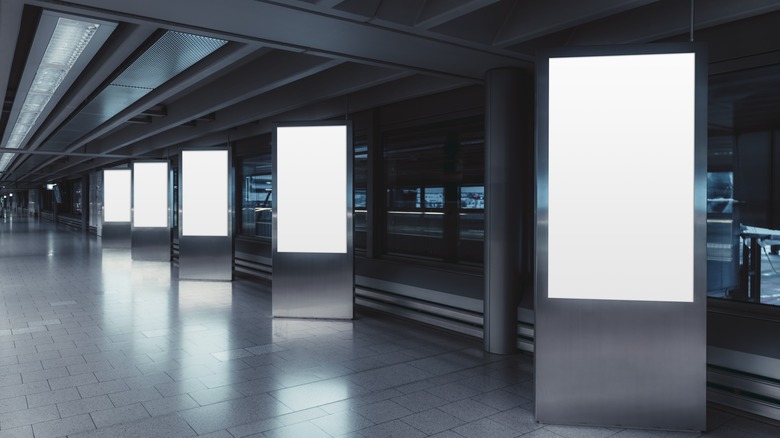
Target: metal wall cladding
[170,55]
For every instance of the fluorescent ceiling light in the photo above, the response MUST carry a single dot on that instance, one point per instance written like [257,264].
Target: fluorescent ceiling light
[67,43]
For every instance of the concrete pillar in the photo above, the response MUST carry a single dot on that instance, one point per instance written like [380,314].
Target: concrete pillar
[508,139]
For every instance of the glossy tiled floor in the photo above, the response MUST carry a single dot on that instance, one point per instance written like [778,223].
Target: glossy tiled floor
[93,344]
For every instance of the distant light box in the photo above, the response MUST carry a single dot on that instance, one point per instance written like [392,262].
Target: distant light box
[621,177]
[312,189]
[204,180]
[116,195]
[150,194]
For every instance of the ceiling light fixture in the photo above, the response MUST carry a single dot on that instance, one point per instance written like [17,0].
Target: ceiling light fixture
[70,38]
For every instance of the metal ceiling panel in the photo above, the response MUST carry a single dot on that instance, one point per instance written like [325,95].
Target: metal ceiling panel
[170,55]
[173,53]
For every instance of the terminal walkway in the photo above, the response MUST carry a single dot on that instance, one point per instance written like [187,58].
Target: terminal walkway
[94,344]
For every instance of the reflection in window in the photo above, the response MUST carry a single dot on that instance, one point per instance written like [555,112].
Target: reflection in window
[472,213]
[359,184]
[427,171]
[720,192]
[256,196]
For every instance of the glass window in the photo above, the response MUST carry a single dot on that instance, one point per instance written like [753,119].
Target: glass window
[76,197]
[433,187]
[256,196]
[359,185]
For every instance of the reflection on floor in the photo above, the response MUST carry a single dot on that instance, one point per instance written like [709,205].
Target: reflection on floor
[94,344]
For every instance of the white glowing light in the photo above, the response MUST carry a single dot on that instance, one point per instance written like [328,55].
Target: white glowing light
[311,172]
[116,195]
[621,177]
[68,41]
[204,191]
[150,194]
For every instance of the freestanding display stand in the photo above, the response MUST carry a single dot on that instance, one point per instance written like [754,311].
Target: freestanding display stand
[620,307]
[312,221]
[116,208]
[151,231]
[205,225]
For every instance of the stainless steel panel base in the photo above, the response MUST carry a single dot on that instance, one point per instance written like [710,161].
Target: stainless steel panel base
[620,363]
[313,286]
[206,258]
[116,235]
[151,244]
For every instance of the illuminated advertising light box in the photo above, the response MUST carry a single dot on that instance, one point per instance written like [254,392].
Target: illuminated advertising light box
[621,177]
[621,228]
[311,163]
[204,193]
[116,195]
[312,245]
[150,194]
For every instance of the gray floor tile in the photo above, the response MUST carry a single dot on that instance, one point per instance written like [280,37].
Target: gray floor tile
[468,410]
[432,421]
[519,419]
[231,413]
[392,429]
[11,420]
[124,414]
[383,411]
[420,401]
[169,405]
[167,426]
[486,428]
[296,431]
[95,389]
[317,393]
[65,426]
[342,423]
[52,397]
[19,432]
[85,406]
[134,396]
[12,404]
[256,428]
[215,395]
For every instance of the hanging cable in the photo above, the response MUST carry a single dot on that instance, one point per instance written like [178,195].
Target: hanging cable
[693,14]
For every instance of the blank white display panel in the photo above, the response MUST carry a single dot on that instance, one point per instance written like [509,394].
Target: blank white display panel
[311,166]
[204,193]
[150,194]
[621,177]
[116,195]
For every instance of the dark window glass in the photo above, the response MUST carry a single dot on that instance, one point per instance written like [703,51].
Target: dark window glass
[432,175]
[76,200]
[256,196]
[359,185]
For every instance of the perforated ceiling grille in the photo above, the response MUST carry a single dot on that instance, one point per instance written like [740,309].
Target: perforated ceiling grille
[170,55]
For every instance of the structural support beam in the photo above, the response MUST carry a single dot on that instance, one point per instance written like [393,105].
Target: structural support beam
[508,133]
[666,19]
[212,64]
[436,12]
[530,20]
[237,20]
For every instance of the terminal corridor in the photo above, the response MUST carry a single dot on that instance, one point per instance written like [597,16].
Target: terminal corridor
[94,344]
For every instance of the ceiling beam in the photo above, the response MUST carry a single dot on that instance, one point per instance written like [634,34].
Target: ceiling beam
[273,70]
[338,81]
[202,70]
[667,19]
[270,23]
[394,91]
[437,12]
[533,19]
